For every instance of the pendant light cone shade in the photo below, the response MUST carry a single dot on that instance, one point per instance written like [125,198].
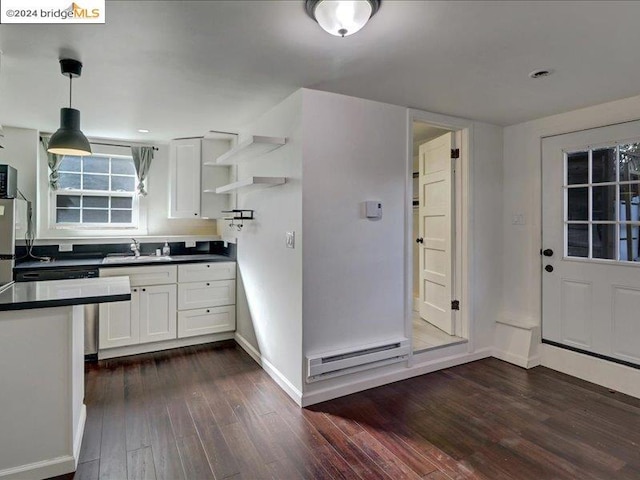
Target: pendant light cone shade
[342,17]
[69,140]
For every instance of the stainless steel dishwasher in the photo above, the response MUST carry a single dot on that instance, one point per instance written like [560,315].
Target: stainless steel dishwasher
[90,311]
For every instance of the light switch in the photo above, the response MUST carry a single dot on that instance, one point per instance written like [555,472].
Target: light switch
[518,219]
[291,240]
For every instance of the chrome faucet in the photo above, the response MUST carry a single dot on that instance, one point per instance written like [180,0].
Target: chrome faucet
[135,247]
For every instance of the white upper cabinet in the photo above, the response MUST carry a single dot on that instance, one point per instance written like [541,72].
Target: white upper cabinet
[184,178]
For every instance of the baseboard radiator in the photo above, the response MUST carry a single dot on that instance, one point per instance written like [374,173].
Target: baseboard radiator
[342,362]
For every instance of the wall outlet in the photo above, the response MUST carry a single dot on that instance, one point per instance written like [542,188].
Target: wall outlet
[65,247]
[291,240]
[189,244]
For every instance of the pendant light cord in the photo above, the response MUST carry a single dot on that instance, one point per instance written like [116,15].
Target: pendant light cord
[70,86]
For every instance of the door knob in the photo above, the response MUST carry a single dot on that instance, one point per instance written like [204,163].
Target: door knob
[419,240]
[549,268]
[547,252]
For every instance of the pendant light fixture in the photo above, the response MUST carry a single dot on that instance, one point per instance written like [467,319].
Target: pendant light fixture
[342,17]
[69,140]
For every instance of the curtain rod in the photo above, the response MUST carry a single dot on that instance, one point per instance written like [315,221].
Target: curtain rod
[117,145]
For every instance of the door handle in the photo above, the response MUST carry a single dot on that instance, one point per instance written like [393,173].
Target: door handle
[419,240]
[547,252]
[549,268]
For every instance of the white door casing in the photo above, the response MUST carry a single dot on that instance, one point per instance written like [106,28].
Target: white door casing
[436,232]
[588,303]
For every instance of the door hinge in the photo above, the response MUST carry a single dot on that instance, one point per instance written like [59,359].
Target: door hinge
[455,153]
[455,304]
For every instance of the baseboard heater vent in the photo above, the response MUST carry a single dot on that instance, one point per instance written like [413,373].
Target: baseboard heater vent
[333,364]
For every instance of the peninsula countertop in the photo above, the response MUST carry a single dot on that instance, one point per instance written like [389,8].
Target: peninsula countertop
[61,293]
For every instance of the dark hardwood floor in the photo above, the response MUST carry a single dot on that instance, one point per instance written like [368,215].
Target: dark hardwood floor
[211,412]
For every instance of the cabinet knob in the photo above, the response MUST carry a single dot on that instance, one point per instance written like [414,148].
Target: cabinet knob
[208,284]
[144,289]
[208,266]
[135,289]
[196,214]
[208,311]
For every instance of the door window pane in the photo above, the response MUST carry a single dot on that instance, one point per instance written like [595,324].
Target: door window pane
[95,182]
[629,200]
[629,251]
[64,215]
[578,168]
[578,240]
[603,165]
[578,204]
[630,162]
[604,241]
[604,203]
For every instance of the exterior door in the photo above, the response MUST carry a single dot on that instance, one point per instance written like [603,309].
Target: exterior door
[436,232]
[591,255]
[158,318]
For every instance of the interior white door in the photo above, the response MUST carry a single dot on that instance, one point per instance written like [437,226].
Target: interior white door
[436,232]
[590,224]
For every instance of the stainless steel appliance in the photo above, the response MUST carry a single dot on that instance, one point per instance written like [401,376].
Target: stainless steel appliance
[13,226]
[8,182]
[90,311]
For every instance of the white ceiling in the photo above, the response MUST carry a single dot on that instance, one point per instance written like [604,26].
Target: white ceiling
[181,68]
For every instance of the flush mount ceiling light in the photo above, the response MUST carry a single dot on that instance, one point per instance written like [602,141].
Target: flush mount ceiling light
[143,130]
[342,17]
[69,140]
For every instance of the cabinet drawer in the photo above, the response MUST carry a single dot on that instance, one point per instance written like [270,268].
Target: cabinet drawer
[198,272]
[206,321]
[139,276]
[206,294]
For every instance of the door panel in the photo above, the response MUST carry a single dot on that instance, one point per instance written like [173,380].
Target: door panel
[118,323]
[436,230]
[158,313]
[590,219]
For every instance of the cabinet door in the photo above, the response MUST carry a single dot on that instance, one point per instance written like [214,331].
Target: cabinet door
[119,322]
[157,313]
[206,294]
[205,321]
[184,178]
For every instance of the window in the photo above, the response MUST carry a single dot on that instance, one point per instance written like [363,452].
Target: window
[97,191]
[602,196]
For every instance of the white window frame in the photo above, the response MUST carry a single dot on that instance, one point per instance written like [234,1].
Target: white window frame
[100,227]
[617,222]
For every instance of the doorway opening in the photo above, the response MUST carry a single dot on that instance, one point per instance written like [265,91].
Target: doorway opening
[434,319]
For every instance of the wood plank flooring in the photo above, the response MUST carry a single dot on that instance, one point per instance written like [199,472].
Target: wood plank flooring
[209,412]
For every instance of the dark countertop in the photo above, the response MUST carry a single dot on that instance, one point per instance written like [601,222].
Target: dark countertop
[62,293]
[96,262]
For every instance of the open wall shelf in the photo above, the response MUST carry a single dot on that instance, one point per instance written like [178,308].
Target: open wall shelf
[253,147]
[251,183]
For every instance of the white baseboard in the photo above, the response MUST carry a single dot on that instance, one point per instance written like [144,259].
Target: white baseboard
[167,345]
[43,469]
[519,360]
[401,372]
[517,343]
[608,374]
[274,373]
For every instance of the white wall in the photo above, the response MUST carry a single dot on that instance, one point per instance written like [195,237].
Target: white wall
[354,150]
[24,152]
[522,194]
[269,317]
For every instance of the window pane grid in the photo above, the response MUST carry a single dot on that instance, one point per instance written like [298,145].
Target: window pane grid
[602,216]
[101,195]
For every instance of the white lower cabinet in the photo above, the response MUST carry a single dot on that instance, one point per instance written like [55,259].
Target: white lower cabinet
[157,313]
[201,303]
[204,321]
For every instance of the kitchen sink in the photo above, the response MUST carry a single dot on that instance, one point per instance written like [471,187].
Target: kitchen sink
[132,259]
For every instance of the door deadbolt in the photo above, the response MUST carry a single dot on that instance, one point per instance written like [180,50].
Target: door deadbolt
[549,268]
